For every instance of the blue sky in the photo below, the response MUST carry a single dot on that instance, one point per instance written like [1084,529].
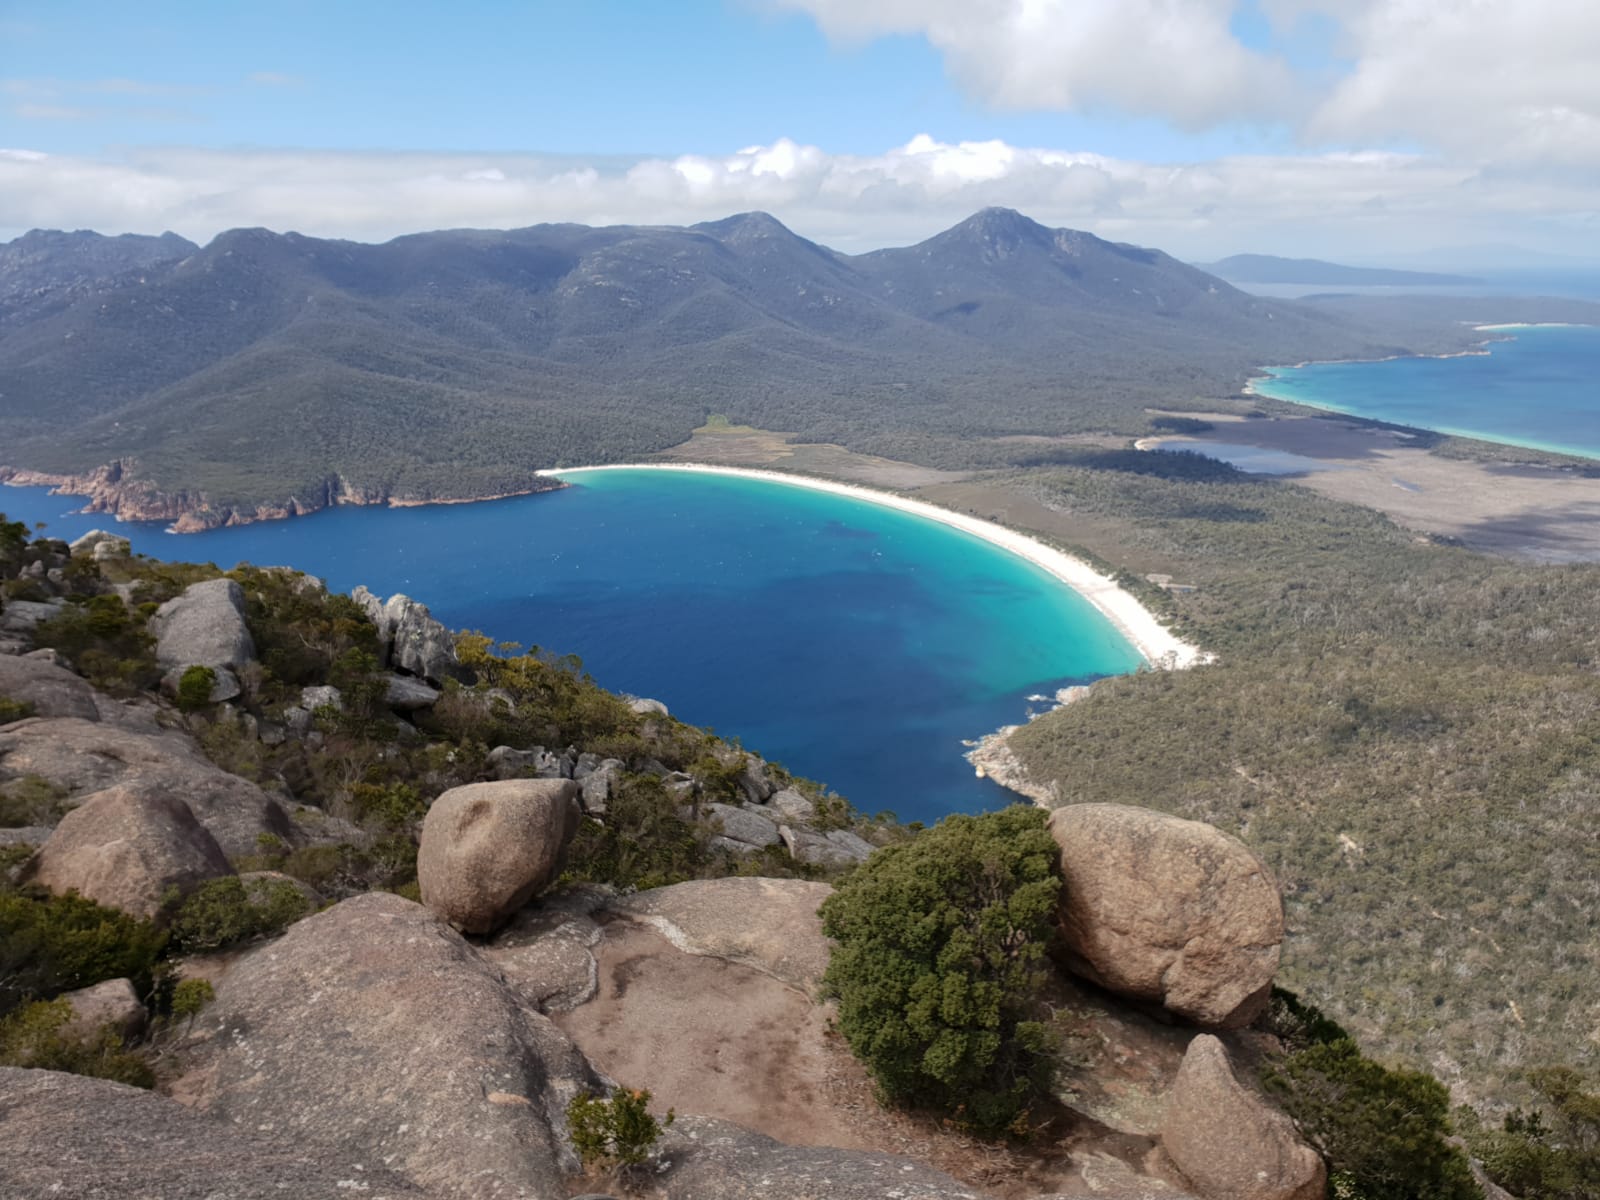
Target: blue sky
[1169,121]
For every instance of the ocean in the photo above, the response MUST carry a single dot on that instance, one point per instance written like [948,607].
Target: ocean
[853,643]
[1538,386]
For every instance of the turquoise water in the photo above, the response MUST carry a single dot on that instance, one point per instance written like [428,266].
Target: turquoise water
[851,642]
[1541,389]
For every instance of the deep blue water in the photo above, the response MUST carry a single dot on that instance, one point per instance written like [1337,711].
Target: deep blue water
[853,643]
[1540,389]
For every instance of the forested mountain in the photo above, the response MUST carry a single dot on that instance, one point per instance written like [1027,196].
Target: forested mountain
[267,366]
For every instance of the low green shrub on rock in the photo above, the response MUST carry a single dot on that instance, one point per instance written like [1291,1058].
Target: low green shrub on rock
[940,948]
[222,912]
[1384,1133]
[37,1037]
[615,1132]
[53,944]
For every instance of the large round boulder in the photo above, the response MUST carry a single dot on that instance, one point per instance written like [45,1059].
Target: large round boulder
[125,848]
[1228,1140]
[374,1032]
[49,690]
[1166,910]
[203,627]
[487,848]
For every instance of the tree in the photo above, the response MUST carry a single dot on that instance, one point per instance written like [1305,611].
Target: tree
[938,963]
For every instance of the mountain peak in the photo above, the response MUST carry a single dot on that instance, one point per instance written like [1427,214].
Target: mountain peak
[747,225]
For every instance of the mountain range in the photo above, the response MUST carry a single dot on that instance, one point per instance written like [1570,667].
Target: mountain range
[269,372]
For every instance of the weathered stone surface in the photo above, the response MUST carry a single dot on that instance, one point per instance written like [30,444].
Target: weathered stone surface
[814,848]
[754,781]
[20,616]
[507,762]
[1108,1178]
[203,627]
[67,1137]
[112,1003]
[224,684]
[487,848]
[374,1031]
[546,954]
[100,546]
[600,783]
[124,848]
[858,847]
[411,639]
[770,925]
[718,1160]
[404,693]
[1228,1140]
[321,696]
[1167,910]
[645,706]
[83,757]
[741,825]
[791,805]
[52,690]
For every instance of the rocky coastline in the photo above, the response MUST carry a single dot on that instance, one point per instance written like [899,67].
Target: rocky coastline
[116,490]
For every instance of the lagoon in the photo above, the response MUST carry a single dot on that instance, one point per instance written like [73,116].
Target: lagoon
[852,642]
[1537,386]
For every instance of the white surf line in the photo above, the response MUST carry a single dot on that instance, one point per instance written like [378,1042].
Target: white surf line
[1155,642]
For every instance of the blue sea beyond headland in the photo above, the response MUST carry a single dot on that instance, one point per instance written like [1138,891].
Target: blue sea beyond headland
[1539,389]
[852,642]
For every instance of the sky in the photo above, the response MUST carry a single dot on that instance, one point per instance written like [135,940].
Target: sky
[1366,130]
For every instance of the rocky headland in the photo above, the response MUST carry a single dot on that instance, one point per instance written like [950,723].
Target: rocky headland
[118,490]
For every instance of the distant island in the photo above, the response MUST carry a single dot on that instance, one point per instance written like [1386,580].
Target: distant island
[1269,268]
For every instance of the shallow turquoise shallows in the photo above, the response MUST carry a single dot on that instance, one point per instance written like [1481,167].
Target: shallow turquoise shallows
[1541,389]
[853,643]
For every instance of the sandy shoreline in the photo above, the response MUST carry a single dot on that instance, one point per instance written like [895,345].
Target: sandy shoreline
[1154,642]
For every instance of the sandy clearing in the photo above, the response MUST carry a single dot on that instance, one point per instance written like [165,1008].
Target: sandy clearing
[1154,642]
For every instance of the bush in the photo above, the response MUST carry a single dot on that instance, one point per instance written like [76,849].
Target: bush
[194,688]
[938,965]
[1551,1153]
[618,1132]
[221,912]
[13,710]
[60,943]
[31,800]
[190,996]
[35,1037]
[1384,1133]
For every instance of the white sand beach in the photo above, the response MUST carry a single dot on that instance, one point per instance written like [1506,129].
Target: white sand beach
[1155,643]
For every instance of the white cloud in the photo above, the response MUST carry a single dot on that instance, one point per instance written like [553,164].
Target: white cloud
[1171,58]
[1492,80]
[1361,206]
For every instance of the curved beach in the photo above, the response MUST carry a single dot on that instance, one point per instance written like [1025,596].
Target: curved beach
[1155,643]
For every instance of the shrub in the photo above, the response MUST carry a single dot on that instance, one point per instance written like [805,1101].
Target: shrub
[221,912]
[190,996]
[59,943]
[31,800]
[643,842]
[194,688]
[1548,1153]
[619,1132]
[13,710]
[36,1037]
[938,964]
[1384,1133]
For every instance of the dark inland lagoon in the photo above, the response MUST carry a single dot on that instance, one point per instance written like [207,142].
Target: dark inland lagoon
[853,643]
[1539,387]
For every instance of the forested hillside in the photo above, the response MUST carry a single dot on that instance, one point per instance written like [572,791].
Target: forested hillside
[1408,732]
[269,366]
